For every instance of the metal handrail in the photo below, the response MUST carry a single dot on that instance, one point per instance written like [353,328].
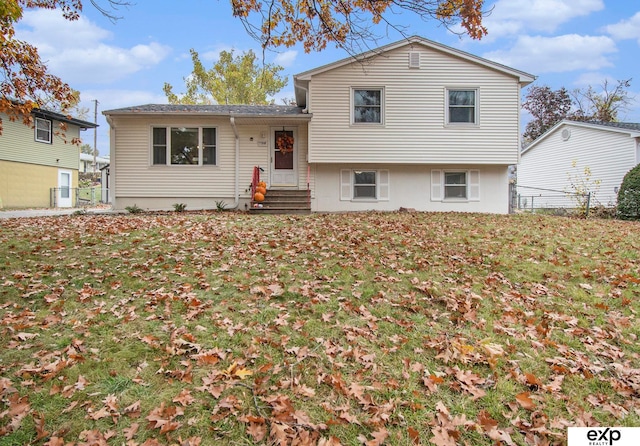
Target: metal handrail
[255,179]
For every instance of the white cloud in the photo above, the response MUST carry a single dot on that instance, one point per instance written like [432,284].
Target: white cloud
[286,59]
[593,78]
[75,50]
[116,98]
[559,54]
[110,99]
[510,17]
[626,29]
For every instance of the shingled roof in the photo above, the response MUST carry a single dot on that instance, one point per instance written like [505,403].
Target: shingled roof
[213,110]
[635,126]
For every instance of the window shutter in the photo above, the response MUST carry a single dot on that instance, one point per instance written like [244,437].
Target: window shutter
[414,59]
[345,185]
[383,185]
[436,185]
[474,185]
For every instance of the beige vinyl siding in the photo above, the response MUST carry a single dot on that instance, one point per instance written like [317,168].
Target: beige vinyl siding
[414,129]
[18,144]
[608,154]
[252,153]
[139,182]
[135,176]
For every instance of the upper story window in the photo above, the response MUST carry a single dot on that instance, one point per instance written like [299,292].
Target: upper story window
[184,146]
[367,105]
[462,106]
[43,130]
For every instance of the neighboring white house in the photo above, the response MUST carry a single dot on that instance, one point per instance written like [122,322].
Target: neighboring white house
[591,155]
[412,124]
[87,161]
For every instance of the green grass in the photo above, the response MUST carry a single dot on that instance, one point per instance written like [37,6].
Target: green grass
[317,327]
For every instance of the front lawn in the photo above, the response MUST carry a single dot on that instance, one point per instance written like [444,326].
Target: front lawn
[328,329]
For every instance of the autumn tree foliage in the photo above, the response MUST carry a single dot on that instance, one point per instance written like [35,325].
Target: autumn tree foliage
[604,105]
[349,24]
[548,107]
[26,82]
[232,80]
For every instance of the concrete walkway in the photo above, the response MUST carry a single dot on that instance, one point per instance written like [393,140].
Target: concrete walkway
[26,213]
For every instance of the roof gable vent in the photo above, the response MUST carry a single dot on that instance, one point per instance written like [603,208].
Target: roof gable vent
[414,59]
[565,134]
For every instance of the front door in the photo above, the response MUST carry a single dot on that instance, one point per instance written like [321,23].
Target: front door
[64,189]
[284,156]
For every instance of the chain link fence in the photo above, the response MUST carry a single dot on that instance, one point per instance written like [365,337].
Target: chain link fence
[79,196]
[538,199]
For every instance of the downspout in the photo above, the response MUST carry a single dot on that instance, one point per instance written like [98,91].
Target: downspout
[237,165]
[112,158]
[306,98]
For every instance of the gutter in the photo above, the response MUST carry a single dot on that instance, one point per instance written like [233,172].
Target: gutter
[112,161]
[237,164]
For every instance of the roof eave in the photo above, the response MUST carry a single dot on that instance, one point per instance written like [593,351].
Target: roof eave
[63,118]
[545,135]
[304,116]
[523,77]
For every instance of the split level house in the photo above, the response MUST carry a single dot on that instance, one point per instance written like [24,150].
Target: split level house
[39,161]
[412,124]
[578,157]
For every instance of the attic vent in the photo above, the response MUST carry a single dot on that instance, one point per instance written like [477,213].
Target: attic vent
[414,59]
[566,134]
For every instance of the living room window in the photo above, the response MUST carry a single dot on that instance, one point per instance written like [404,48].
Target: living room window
[43,130]
[462,106]
[368,106]
[184,146]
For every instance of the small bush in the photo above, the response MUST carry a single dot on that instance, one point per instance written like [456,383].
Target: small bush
[133,209]
[179,207]
[629,195]
[221,205]
[603,212]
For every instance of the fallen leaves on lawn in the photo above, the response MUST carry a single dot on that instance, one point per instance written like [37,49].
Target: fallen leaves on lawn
[396,328]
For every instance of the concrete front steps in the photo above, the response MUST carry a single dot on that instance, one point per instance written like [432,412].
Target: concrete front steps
[284,202]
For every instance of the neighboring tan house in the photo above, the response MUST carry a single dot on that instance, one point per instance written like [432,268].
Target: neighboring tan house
[558,159]
[39,163]
[87,163]
[413,124]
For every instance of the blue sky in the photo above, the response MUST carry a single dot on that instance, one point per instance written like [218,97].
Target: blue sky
[570,43]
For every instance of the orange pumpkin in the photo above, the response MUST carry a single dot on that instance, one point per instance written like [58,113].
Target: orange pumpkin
[261,189]
[262,184]
[258,197]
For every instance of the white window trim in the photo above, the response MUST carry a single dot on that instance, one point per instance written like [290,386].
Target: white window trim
[476,116]
[472,182]
[168,128]
[353,106]
[347,186]
[49,129]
